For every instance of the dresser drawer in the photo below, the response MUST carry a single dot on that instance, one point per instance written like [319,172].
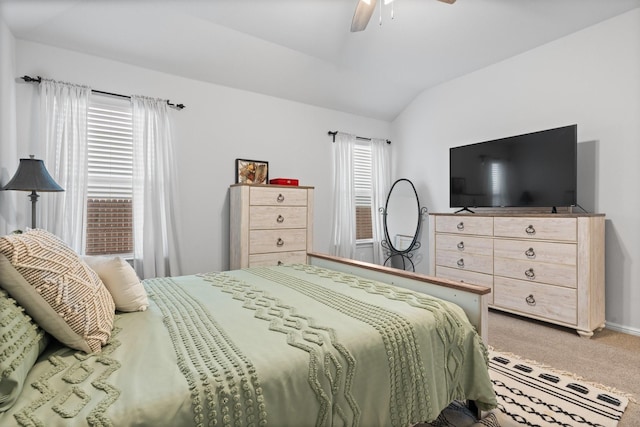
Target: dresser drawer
[530,250]
[469,262]
[543,301]
[465,276]
[464,244]
[539,272]
[564,229]
[261,260]
[265,217]
[465,224]
[278,196]
[265,241]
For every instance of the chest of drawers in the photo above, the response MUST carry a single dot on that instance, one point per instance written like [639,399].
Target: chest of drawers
[548,267]
[269,224]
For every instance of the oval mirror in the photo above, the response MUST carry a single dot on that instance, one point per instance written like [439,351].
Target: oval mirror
[402,219]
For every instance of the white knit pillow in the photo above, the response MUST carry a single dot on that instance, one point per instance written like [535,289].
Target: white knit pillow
[121,281]
[62,290]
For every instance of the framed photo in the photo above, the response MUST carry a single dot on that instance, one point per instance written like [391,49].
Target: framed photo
[252,171]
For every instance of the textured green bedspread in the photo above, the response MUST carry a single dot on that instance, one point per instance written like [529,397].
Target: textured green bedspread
[279,346]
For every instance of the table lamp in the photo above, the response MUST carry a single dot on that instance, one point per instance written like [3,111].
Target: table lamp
[32,176]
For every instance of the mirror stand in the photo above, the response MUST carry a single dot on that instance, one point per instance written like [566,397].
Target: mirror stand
[402,217]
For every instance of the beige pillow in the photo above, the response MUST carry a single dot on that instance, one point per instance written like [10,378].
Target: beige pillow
[60,292]
[121,281]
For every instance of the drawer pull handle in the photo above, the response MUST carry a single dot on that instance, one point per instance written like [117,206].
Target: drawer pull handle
[460,226]
[530,300]
[280,242]
[280,219]
[460,262]
[280,198]
[530,230]
[530,274]
[280,262]
[461,246]
[530,253]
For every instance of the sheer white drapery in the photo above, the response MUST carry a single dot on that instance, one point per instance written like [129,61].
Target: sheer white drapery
[380,183]
[63,108]
[155,221]
[343,228]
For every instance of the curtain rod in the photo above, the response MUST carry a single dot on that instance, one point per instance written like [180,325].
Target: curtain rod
[29,79]
[335,132]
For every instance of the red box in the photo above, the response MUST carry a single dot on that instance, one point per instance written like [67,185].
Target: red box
[284,181]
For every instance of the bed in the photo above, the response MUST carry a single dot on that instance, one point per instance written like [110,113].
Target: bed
[329,343]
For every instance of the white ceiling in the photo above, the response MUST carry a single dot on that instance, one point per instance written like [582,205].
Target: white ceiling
[302,49]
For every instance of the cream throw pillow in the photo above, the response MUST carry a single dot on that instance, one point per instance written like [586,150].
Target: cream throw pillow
[60,291]
[121,281]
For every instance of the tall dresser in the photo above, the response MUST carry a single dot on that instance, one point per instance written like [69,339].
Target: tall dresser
[269,225]
[548,267]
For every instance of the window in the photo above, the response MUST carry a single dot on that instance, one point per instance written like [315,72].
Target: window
[363,191]
[110,181]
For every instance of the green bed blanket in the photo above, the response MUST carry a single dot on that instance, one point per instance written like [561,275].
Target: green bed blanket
[271,346]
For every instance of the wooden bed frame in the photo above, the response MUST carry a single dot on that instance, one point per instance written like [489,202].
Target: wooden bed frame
[473,299]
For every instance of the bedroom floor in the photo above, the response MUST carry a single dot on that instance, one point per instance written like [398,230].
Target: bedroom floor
[609,358]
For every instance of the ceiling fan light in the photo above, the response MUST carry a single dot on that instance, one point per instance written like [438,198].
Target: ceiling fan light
[366,1]
[388,1]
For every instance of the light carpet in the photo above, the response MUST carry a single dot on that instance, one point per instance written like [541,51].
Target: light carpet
[533,395]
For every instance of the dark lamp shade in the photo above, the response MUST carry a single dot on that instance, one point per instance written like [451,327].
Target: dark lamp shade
[32,176]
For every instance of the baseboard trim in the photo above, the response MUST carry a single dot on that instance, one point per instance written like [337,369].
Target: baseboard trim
[623,329]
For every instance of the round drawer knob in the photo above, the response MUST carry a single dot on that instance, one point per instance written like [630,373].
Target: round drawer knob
[280,219]
[530,300]
[530,274]
[461,246]
[460,262]
[460,226]
[530,253]
[280,242]
[280,198]
[530,230]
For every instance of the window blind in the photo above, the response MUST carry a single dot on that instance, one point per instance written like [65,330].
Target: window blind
[362,184]
[110,178]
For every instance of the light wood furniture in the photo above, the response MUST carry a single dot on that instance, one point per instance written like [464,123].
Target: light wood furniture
[471,298]
[548,267]
[269,224]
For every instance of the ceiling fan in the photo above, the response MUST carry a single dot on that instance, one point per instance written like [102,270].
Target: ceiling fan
[364,10]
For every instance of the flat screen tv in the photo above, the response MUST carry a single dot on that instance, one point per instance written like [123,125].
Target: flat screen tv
[536,169]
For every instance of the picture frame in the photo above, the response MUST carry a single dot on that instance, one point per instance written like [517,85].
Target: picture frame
[252,171]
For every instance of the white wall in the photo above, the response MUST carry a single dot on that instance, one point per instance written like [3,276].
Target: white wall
[8,155]
[591,78]
[218,125]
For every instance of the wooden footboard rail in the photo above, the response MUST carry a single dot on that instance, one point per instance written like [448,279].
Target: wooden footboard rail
[473,299]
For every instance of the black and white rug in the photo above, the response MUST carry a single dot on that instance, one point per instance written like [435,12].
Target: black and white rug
[531,395]
[536,396]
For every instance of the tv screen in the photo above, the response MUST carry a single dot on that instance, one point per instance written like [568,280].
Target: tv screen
[537,169]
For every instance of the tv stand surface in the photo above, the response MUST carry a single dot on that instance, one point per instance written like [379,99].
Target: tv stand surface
[547,266]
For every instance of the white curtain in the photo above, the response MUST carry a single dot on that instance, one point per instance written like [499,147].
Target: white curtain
[63,118]
[155,221]
[380,184]
[343,228]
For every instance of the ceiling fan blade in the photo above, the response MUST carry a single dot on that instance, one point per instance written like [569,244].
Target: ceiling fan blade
[362,15]
[448,1]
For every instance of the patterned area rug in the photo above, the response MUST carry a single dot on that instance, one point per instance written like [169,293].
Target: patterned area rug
[532,395]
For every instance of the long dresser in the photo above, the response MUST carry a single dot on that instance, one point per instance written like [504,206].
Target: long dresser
[269,225]
[548,267]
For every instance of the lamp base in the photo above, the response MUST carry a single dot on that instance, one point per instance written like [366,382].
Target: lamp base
[34,198]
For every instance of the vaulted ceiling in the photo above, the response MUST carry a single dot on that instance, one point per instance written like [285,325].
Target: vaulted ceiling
[302,49]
